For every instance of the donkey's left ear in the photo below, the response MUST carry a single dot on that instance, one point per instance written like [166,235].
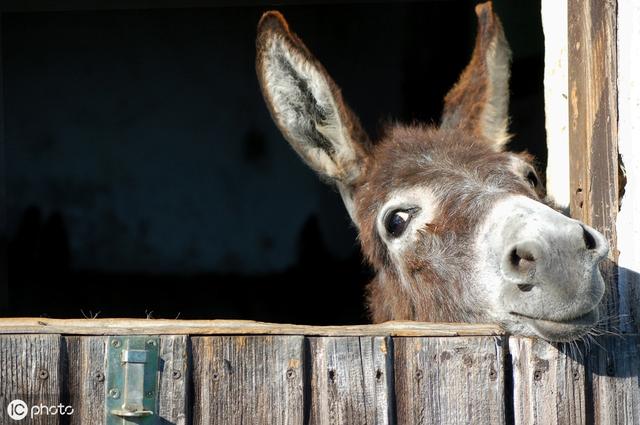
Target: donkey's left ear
[307,105]
[479,101]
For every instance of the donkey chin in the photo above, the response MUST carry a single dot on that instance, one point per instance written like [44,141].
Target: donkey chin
[546,266]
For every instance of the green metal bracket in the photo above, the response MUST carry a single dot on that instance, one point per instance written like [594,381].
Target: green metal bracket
[131,389]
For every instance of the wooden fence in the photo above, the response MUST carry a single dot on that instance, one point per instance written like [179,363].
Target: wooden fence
[235,372]
[213,372]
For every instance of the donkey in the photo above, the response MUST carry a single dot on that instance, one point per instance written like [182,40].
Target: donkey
[456,228]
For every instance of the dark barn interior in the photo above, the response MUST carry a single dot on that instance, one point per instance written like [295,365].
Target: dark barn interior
[141,174]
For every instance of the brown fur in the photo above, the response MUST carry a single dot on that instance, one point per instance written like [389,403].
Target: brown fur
[461,168]
[273,25]
[461,162]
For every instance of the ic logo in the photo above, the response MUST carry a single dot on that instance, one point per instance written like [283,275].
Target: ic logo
[17,410]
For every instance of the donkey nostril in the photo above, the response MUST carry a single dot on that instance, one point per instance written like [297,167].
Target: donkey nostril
[589,240]
[525,287]
[515,258]
[520,254]
[521,259]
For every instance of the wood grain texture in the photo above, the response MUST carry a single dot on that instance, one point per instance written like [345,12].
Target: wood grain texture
[548,385]
[85,378]
[613,382]
[248,380]
[596,180]
[450,380]
[593,131]
[351,380]
[30,370]
[234,327]
[174,380]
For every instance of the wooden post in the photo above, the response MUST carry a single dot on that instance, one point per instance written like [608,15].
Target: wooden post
[596,183]
[593,127]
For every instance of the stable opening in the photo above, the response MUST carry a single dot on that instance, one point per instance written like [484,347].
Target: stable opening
[145,177]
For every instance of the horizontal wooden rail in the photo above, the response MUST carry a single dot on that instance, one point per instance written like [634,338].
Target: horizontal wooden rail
[39,325]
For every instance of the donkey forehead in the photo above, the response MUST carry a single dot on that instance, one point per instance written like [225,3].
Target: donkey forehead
[438,157]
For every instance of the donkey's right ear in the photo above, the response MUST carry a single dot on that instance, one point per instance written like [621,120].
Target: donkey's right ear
[307,105]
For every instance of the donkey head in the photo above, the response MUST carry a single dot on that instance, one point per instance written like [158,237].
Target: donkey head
[457,229]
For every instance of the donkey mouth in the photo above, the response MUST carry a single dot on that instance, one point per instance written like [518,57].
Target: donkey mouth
[561,330]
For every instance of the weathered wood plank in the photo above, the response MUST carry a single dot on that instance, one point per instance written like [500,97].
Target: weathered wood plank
[351,380]
[85,369]
[30,370]
[234,327]
[548,386]
[85,373]
[248,379]
[597,181]
[613,381]
[174,379]
[593,131]
[449,380]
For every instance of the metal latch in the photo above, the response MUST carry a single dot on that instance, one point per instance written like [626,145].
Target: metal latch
[131,388]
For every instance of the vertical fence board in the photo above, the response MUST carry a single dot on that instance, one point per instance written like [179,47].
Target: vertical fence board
[548,385]
[613,379]
[597,180]
[351,380]
[248,379]
[85,371]
[450,380]
[174,379]
[30,370]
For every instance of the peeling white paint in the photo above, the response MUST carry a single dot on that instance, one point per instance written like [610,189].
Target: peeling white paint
[628,222]
[556,82]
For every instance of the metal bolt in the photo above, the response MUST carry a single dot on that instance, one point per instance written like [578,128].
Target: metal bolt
[151,343]
[611,371]
[176,374]
[291,373]
[537,375]
[43,374]
[418,375]
[148,394]
[114,393]
[467,360]
[115,343]
[99,376]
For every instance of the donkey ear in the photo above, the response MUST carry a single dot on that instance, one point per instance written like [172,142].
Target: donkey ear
[307,105]
[480,99]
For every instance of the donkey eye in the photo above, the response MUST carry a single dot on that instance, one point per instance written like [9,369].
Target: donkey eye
[533,179]
[397,221]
